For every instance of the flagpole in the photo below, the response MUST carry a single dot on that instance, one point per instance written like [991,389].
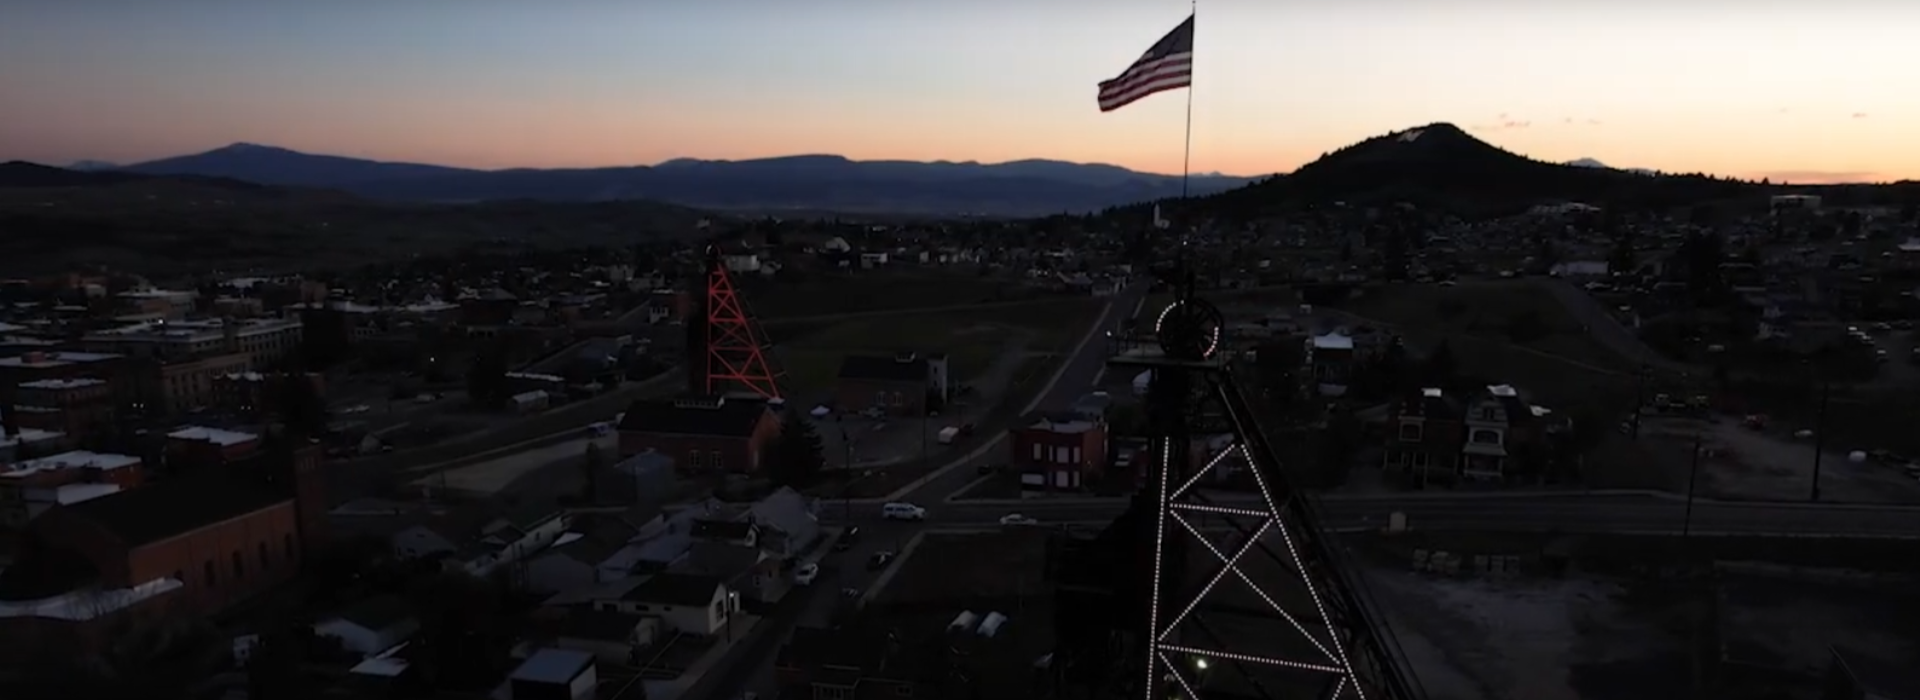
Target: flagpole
[1186,156]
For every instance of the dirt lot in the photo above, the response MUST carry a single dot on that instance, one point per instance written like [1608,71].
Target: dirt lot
[973,339]
[1606,637]
[1743,464]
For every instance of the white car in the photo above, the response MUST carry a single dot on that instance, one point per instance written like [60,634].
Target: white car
[1012,519]
[805,575]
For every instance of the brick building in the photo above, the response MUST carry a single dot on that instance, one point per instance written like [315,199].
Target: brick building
[701,434]
[899,385]
[1057,451]
[30,487]
[41,365]
[1424,434]
[78,406]
[197,445]
[192,545]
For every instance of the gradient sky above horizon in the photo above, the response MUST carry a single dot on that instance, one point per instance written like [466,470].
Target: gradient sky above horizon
[1794,91]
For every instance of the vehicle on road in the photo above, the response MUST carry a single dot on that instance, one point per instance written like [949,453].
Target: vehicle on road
[879,560]
[1016,519]
[903,511]
[847,539]
[805,575]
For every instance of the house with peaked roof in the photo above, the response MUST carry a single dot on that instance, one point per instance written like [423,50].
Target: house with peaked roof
[694,604]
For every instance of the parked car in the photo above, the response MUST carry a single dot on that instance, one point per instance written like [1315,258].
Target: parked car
[1016,519]
[903,511]
[805,575]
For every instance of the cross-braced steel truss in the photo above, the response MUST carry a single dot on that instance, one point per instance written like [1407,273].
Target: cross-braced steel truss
[737,354]
[1247,599]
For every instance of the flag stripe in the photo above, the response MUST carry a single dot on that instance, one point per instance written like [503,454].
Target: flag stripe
[1170,73]
[1168,65]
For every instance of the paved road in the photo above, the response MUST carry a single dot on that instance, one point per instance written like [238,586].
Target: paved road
[1547,512]
[1078,376]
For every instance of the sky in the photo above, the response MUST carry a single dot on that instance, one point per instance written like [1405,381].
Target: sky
[1794,91]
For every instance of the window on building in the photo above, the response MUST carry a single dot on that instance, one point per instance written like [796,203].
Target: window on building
[1410,432]
[239,567]
[822,691]
[1488,413]
[265,563]
[1420,460]
[694,459]
[904,690]
[1039,452]
[717,462]
[213,577]
[1486,437]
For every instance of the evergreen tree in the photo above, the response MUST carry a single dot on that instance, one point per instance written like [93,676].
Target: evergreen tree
[1441,364]
[798,457]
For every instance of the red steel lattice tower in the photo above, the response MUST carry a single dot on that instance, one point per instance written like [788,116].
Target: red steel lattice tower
[730,351]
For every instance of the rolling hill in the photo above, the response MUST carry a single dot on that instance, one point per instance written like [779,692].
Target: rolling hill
[1442,166]
[807,182]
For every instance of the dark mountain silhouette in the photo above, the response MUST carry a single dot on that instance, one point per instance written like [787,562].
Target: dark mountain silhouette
[805,182]
[54,219]
[92,165]
[1440,166]
[23,175]
[269,165]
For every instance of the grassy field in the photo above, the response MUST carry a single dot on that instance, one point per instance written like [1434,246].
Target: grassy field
[972,339]
[884,290]
[1513,313]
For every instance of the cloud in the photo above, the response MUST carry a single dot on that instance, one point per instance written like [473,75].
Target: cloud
[1859,115]
[1819,177]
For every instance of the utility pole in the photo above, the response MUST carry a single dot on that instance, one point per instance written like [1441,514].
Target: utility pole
[1693,474]
[1819,439]
[1640,399]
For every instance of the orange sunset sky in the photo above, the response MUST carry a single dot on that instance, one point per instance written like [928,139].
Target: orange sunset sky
[1807,92]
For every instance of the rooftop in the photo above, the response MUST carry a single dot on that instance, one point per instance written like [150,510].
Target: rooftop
[552,666]
[223,438]
[62,384]
[54,359]
[78,459]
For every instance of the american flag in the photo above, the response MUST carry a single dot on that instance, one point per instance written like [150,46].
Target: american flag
[1166,66]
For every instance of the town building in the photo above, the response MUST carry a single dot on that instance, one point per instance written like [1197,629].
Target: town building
[30,487]
[177,386]
[264,341]
[906,384]
[79,406]
[42,365]
[191,545]
[1057,451]
[702,434]
[1425,435]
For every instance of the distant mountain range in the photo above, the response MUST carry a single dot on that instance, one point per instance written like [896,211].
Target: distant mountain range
[1591,163]
[808,182]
